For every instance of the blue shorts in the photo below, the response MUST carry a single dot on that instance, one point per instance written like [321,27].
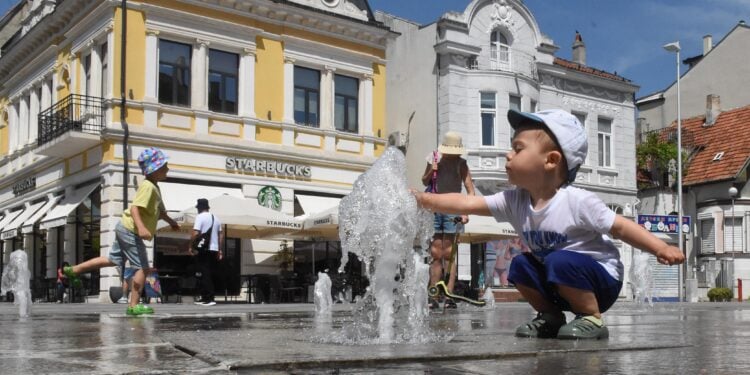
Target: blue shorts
[128,245]
[565,268]
[444,223]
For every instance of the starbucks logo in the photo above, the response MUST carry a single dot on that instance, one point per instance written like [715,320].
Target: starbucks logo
[270,197]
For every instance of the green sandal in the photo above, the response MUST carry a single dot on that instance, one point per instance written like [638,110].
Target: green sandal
[75,281]
[584,327]
[544,326]
[139,309]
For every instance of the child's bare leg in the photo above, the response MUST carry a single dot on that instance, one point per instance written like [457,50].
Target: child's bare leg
[92,264]
[436,267]
[581,301]
[537,300]
[447,250]
[139,280]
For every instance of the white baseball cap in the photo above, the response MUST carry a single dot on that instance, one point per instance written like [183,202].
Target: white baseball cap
[568,131]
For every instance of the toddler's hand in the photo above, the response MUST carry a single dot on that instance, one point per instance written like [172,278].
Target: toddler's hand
[669,255]
[419,196]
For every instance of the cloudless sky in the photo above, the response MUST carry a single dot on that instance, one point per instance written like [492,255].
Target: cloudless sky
[623,36]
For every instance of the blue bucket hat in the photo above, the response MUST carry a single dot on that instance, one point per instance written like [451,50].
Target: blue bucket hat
[151,159]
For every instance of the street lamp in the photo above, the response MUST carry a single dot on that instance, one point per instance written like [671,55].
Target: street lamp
[675,47]
[733,194]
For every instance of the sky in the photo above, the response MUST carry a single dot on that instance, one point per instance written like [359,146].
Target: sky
[623,36]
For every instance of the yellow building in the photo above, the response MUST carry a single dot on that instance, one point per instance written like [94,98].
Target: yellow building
[242,95]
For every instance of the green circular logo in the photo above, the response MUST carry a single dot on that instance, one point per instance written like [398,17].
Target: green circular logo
[270,197]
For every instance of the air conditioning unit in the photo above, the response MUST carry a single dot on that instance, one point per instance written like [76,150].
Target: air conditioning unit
[397,138]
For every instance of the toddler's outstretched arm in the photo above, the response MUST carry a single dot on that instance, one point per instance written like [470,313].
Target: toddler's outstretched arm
[453,203]
[638,237]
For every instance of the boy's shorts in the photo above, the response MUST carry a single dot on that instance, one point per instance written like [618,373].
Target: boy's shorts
[444,223]
[565,268]
[127,244]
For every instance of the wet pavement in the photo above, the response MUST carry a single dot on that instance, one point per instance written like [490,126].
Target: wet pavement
[669,338]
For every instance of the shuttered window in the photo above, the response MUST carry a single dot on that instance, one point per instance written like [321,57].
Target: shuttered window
[708,237]
[733,234]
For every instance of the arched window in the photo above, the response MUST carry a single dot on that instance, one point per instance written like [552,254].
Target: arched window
[615,207]
[499,51]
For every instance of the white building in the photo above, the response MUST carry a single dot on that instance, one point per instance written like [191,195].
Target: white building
[463,72]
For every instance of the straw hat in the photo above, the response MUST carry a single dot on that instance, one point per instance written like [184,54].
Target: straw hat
[452,144]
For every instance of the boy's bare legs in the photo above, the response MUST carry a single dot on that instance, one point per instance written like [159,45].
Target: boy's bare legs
[92,265]
[537,300]
[581,301]
[138,281]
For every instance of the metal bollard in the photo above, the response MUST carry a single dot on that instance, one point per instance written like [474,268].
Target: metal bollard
[739,290]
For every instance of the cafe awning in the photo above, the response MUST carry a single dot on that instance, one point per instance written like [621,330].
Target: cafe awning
[11,230]
[243,218]
[58,216]
[486,228]
[177,197]
[313,204]
[9,217]
[28,225]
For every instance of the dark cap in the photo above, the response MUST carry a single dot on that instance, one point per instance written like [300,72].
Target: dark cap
[202,204]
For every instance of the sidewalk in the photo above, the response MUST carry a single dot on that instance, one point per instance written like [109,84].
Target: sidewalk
[669,338]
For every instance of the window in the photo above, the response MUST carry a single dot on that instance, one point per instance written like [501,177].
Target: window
[223,69]
[616,208]
[499,51]
[174,73]
[345,103]
[488,113]
[105,70]
[514,102]
[306,96]
[532,107]
[732,233]
[605,142]
[708,235]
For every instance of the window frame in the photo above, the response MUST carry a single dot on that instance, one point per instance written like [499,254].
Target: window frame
[224,76]
[307,91]
[708,239]
[585,116]
[607,139]
[346,126]
[175,88]
[490,111]
[497,47]
[736,224]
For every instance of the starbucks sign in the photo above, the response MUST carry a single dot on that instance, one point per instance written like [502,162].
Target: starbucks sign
[270,197]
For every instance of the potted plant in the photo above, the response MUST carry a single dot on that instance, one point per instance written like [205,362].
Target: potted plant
[720,295]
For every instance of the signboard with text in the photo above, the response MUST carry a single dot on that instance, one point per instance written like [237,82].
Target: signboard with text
[663,223]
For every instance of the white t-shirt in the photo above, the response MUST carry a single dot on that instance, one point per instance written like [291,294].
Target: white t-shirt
[203,222]
[574,220]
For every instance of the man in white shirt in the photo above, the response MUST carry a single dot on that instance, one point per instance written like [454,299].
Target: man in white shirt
[207,249]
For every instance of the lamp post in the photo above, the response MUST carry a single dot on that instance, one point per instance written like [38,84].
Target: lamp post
[733,194]
[675,47]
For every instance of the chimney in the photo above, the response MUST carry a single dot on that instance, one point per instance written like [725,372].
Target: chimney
[579,50]
[708,44]
[713,109]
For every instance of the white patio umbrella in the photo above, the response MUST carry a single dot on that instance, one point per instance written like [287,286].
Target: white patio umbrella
[486,228]
[243,218]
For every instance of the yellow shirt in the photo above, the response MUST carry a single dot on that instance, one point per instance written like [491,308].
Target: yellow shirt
[150,206]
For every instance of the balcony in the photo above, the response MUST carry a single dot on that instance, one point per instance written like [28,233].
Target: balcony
[71,125]
[510,60]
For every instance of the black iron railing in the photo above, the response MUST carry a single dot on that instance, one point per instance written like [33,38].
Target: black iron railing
[79,113]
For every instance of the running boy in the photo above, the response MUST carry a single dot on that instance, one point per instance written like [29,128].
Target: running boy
[136,225]
[572,266]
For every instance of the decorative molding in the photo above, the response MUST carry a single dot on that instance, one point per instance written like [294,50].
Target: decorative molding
[152,32]
[502,16]
[587,89]
[202,42]
[591,106]
[289,60]
[249,52]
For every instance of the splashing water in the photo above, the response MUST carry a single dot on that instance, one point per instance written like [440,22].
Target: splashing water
[323,300]
[641,277]
[489,298]
[16,278]
[381,223]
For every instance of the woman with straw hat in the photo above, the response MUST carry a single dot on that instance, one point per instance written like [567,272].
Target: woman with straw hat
[446,172]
